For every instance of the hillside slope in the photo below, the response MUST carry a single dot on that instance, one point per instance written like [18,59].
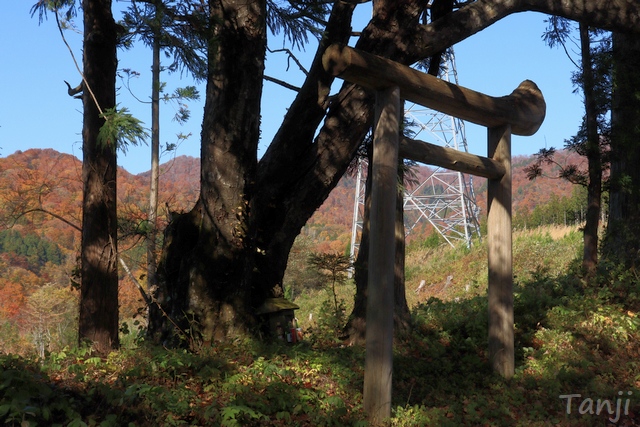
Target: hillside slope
[52,180]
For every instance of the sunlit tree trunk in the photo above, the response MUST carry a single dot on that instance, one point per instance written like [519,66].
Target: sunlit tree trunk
[98,321]
[152,218]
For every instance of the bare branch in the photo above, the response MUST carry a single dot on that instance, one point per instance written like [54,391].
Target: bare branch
[282,83]
[47,212]
[73,57]
[291,56]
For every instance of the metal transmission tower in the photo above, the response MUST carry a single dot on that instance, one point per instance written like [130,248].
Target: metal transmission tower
[445,199]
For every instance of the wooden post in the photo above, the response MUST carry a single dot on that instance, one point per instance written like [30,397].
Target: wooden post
[379,330]
[499,242]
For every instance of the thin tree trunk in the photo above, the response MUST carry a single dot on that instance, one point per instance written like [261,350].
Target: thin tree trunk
[401,314]
[98,321]
[356,326]
[594,186]
[152,218]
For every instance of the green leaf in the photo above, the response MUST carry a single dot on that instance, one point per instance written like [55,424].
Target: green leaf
[4,409]
[120,129]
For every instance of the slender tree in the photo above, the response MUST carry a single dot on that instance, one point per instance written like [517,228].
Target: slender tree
[176,28]
[335,267]
[593,151]
[105,129]
[591,141]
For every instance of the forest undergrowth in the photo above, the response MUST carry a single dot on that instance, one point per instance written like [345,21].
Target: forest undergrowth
[577,358]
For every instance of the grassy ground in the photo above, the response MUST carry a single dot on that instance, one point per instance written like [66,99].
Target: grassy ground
[571,339]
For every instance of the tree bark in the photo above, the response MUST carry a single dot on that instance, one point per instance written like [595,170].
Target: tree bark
[154,181]
[203,271]
[622,238]
[98,321]
[248,216]
[594,186]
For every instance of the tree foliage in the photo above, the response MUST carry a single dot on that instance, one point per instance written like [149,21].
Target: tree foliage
[120,129]
[335,266]
[37,250]
[180,26]
[297,19]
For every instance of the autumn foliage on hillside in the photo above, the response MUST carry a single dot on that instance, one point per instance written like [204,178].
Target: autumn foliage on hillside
[40,211]
[40,202]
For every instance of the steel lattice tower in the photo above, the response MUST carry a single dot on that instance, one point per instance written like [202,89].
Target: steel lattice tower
[445,199]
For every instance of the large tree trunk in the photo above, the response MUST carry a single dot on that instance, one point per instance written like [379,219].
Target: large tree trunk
[208,251]
[98,322]
[622,239]
[240,234]
[293,186]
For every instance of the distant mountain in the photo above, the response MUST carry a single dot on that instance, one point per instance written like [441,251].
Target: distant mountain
[55,179]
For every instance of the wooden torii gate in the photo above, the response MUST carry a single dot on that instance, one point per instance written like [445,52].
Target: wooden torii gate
[520,113]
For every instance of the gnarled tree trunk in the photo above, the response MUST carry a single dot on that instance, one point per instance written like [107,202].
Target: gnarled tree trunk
[208,251]
[236,241]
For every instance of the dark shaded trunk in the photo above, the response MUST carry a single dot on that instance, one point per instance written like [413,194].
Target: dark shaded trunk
[622,238]
[290,163]
[356,326]
[594,158]
[98,321]
[202,272]
[401,314]
[294,178]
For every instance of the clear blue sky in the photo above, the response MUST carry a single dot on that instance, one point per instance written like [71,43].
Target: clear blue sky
[36,112]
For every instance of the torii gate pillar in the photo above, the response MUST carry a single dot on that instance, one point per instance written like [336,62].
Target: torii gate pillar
[379,332]
[499,241]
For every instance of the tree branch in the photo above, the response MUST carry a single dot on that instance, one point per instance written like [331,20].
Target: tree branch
[281,83]
[73,57]
[613,15]
[47,212]
[291,56]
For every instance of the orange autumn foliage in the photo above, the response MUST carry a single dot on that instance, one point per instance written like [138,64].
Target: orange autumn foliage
[12,299]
